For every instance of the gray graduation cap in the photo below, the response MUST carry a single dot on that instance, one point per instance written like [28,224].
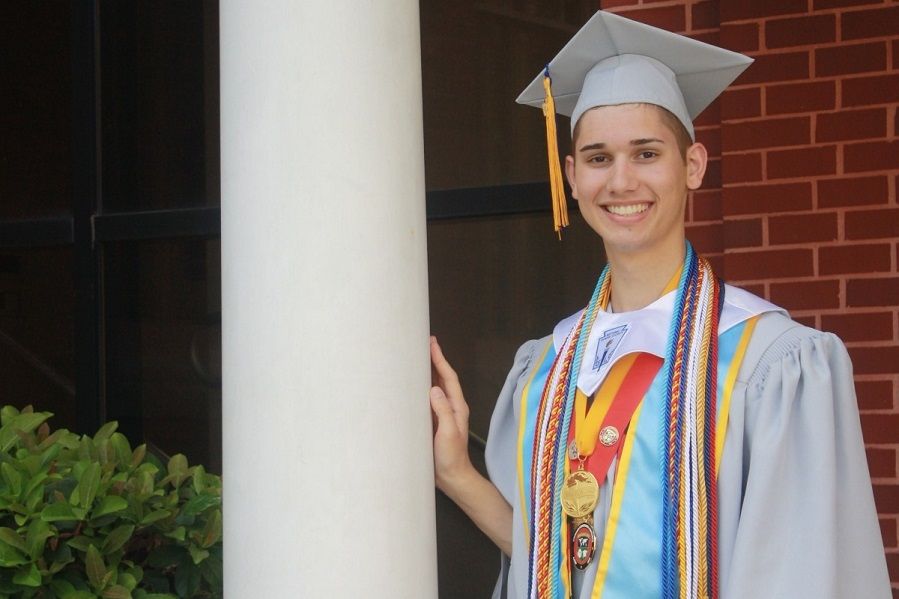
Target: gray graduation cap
[614,60]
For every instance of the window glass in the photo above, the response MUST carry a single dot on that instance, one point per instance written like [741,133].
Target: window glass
[477,56]
[37,299]
[163,345]
[35,110]
[160,104]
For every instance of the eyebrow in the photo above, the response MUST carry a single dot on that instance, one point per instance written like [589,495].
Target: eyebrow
[634,142]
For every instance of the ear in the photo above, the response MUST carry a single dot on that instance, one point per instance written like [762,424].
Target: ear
[569,174]
[697,159]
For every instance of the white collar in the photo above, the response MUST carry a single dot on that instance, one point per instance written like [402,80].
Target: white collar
[615,335]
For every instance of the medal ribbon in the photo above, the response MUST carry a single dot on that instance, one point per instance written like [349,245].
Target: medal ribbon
[616,401]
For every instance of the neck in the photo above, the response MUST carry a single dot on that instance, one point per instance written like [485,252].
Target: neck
[639,279]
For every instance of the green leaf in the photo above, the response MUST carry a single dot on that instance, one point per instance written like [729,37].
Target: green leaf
[110,505]
[61,588]
[212,532]
[199,479]
[81,543]
[13,478]
[117,591]
[177,464]
[12,538]
[155,516]
[88,485]
[28,576]
[56,512]
[10,556]
[197,554]
[128,581]
[24,422]
[200,503]
[117,538]
[96,569]
[7,413]
[38,533]
[138,456]
[178,533]
[105,431]
[122,448]
[79,595]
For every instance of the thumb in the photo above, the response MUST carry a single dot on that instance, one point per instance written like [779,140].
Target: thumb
[440,404]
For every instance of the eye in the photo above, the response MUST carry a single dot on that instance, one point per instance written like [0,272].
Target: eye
[598,159]
[647,154]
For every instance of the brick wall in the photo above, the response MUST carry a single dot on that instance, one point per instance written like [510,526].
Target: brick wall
[799,204]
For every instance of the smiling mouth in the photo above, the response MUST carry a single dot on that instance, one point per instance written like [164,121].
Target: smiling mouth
[627,209]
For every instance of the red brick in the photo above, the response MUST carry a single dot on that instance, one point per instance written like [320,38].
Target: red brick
[768,264]
[871,156]
[799,31]
[870,23]
[804,162]
[742,168]
[614,3]
[717,262]
[707,205]
[712,178]
[741,103]
[851,124]
[788,66]
[705,238]
[672,18]
[888,532]
[822,4]
[743,232]
[874,395]
[855,191]
[876,360]
[710,116]
[819,294]
[740,38]
[711,139]
[846,259]
[758,290]
[767,133]
[873,326]
[705,15]
[746,9]
[808,320]
[886,499]
[880,428]
[850,58]
[708,37]
[872,224]
[801,97]
[802,228]
[877,89]
[881,462]
[872,292]
[767,199]
[895,45]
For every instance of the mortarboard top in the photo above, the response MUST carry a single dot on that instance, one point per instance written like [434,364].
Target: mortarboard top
[614,60]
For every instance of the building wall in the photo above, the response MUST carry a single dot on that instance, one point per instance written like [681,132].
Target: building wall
[799,204]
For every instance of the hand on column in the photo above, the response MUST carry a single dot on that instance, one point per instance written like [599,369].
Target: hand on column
[453,471]
[451,461]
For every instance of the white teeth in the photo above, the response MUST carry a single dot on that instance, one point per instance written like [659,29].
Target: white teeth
[627,209]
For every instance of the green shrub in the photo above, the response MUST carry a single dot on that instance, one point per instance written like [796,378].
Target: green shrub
[84,517]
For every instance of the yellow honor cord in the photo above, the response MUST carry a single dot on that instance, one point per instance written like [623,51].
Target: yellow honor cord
[560,206]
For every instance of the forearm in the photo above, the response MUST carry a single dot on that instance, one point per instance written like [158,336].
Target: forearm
[483,503]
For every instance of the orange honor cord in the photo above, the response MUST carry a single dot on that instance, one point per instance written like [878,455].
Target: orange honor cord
[559,204]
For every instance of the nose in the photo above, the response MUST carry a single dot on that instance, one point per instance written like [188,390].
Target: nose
[622,178]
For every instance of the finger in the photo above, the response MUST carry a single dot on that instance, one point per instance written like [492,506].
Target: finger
[445,372]
[442,408]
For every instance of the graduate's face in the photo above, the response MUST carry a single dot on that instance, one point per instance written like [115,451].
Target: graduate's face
[631,179]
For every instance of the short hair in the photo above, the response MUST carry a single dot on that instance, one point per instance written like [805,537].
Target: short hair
[673,123]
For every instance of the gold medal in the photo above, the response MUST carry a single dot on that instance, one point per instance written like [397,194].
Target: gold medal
[580,492]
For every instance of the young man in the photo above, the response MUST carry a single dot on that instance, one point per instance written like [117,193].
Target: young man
[678,437]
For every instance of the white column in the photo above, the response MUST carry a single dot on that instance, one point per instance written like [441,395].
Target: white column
[327,460]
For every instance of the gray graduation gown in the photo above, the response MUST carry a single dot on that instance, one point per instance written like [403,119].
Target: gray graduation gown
[796,513]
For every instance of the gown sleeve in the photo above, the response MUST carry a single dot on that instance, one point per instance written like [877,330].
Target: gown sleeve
[502,451]
[807,524]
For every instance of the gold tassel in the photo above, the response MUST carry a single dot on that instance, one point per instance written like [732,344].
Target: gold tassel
[557,187]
